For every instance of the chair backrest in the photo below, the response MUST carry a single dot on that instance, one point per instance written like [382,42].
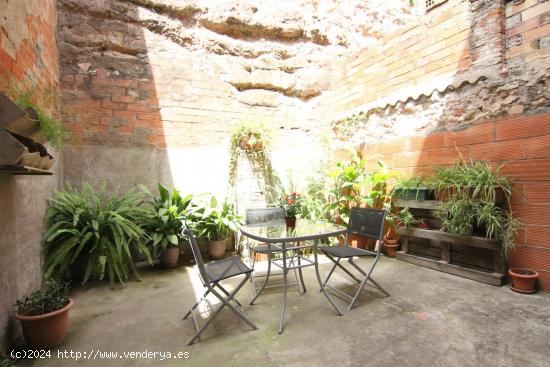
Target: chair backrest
[367,222]
[264,215]
[196,253]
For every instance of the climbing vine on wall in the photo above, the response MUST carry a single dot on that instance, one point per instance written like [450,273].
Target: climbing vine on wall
[253,139]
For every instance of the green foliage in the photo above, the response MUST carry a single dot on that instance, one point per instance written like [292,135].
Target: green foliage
[456,215]
[254,140]
[475,179]
[314,203]
[212,220]
[52,130]
[403,218]
[52,297]
[472,187]
[352,186]
[163,222]
[81,222]
[291,203]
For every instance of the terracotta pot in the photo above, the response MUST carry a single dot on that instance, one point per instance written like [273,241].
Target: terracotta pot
[391,250]
[290,222]
[258,257]
[422,225]
[45,331]
[523,280]
[216,249]
[391,241]
[357,241]
[169,257]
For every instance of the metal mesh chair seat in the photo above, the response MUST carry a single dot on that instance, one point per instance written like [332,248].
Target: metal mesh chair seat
[345,251]
[264,248]
[226,268]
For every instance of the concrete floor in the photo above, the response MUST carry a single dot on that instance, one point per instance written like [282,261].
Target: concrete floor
[431,319]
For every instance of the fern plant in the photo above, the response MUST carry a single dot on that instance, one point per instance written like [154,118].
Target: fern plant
[80,222]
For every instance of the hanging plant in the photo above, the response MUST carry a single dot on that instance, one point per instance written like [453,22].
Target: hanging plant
[254,140]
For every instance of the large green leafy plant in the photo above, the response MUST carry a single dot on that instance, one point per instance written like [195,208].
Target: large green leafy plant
[163,223]
[353,186]
[214,221]
[82,222]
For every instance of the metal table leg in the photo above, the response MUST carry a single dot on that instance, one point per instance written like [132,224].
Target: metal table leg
[315,247]
[283,305]
[265,281]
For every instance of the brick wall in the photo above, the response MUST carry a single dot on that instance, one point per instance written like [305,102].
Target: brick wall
[527,30]
[434,46]
[28,62]
[470,79]
[521,144]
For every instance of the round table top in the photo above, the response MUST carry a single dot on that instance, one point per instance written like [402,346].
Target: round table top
[277,231]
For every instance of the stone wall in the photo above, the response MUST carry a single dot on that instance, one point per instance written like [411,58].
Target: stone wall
[154,87]
[469,79]
[28,62]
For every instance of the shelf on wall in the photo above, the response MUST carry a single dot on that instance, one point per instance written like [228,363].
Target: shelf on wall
[23,170]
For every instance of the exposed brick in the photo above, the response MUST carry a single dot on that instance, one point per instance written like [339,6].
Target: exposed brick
[523,127]
[126,83]
[537,193]
[123,99]
[538,147]
[528,170]
[431,141]
[531,214]
[499,151]
[536,258]
[538,236]
[483,133]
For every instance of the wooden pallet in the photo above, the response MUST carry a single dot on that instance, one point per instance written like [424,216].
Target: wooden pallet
[472,257]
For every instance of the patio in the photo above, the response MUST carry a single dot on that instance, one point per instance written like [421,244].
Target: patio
[431,319]
[409,134]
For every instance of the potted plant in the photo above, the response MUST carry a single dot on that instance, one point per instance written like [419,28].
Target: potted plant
[97,231]
[404,218]
[412,188]
[456,216]
[474,180]
[523,280]
[216,223]
[164,225]
[291,204]
[44,315]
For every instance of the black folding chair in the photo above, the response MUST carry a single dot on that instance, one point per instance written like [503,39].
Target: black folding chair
[263,216]
[363,222]
[211,274]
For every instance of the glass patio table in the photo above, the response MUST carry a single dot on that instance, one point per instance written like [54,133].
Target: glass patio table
[285,240]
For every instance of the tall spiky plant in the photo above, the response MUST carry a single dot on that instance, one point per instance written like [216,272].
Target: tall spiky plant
[81,222]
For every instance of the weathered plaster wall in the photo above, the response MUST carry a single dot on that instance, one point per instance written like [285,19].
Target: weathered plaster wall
[28,62]
[470,79]
[169,79]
